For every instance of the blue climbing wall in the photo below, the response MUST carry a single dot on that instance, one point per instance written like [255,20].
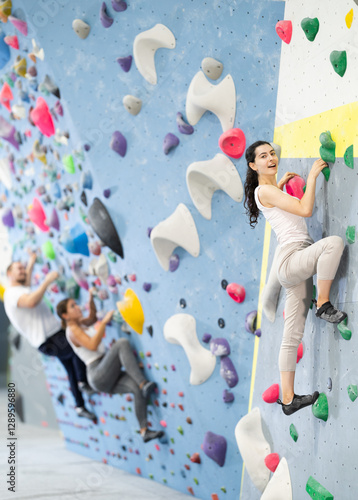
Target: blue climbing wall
[146,186]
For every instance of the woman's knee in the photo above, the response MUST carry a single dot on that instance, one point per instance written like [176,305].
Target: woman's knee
[336,243]
[120,343]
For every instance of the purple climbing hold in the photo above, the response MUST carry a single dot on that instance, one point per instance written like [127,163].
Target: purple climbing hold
[183,127]
[170,141]
[147,287]
[107,193]
[149,230]
[214,447]
[228,397]
[87,147]
[111,280]
[8,132]
[106,20]
[125,63]
[250,321]
[228,371]
[58,108]
[8,218]
[54,220]
[174,262]
[119,5]
[119,143]
[206,338]
[257,332]
[220,347]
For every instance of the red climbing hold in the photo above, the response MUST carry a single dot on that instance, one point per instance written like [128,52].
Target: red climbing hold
[299,352]
[236,292]
[233,142]
[187,466]
[138,471]
[6,96]
[171,451]
[294,186]
[272,460]
[181,407]
[181,394]
[195,458]
[190,489]
[284,30]
[42,117]
[214,496]
[271,394]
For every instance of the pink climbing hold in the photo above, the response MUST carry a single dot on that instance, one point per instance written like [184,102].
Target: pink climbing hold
[236,292]
[157,447]
[299,352]
[284,30]
[271,461]
[37,215]
[271,394]
[233,142]
[6,96]
[12,41]
[163,423]
[295,186]
[42,118]
[19,25]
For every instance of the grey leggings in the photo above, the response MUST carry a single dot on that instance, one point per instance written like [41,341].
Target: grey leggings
[297,263]
[106,375]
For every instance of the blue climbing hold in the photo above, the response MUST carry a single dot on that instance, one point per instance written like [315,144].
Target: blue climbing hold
[4,51]
[76,241]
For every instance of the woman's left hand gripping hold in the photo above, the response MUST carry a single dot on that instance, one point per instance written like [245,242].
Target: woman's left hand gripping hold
[285,179]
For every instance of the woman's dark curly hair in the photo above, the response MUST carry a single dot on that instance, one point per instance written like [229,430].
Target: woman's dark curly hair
[251,183]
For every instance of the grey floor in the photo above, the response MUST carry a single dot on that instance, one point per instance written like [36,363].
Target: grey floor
[46,470]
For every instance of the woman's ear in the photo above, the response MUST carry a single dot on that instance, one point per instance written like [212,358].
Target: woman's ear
[253,166]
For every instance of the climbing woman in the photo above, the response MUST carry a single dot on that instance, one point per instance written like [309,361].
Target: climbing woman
[105,368]
[299,258]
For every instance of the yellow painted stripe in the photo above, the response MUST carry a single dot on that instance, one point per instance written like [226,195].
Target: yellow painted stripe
[265,254]
[300,139]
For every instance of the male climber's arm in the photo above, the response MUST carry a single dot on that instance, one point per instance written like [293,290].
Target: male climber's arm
[92,317]
[30,267]
[80,338]
[31,299]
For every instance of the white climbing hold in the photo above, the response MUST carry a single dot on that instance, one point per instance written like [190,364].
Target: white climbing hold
[37,51]
[132,104]
[212,68]
[277,149]
[99,267]
[146,44]
[19,111]
[5,173]
[220,99]
[253,448]
[181,329]
[279,487]
[177,230]
[203,178]
[81,28]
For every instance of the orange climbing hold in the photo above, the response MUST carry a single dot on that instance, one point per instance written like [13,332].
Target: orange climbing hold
[195,458]
[214,496]
[190,489]
[284,30]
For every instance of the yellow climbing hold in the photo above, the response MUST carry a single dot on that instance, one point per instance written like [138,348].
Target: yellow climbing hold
[349,19]
[5,10]
[38,152]
[132,311]
[21,67]
[2,291]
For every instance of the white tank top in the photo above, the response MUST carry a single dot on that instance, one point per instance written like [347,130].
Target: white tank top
[83,353]
[288,227]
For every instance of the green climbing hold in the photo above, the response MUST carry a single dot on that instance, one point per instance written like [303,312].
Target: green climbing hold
[164,481]
[223,489]
[339,61]
[195,481]
[313,296]
[344,330]
[293,433]
[69,164]
[348,157]
[327,150]
[317,491]
[112,256]
[172,440]
[151,476]
[48,303]
[320,407]
[180,430]
[165,379]
[72,289]
[352,392]
[310,27]
[326,172]
[141,354]
[48,250]
[351,234]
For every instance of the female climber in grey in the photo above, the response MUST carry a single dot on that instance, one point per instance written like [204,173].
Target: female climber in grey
[298,258]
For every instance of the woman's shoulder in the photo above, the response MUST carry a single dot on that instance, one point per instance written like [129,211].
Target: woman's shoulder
[265,195]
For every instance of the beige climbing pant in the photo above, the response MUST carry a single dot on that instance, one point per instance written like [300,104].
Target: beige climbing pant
[297,263]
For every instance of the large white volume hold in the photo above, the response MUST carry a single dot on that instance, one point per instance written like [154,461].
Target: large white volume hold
[178,230]
[279,487]
[145,46]
[5,173]
[220,99]
[181,329]
[203,178]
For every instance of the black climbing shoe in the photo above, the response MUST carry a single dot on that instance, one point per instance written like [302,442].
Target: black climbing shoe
[298,403]
[148,388]
[330,313]
[149,435]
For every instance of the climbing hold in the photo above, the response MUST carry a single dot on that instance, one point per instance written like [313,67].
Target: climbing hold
[183,127]
[132,104]
[250,321]
[180,430]
[6,96]
[206,338]
[271,394]
[19,25]
[195,458]
[233,142]
[48,250]
[253,447]
[320,407]
[214,446]
[272,460]
[145,46]
[236,292]
[107,193]
[12,41]
[348,157]
[119,5]
[214,496]
[72,289]
[294,186]
[339,61]
[4,51]
[86,180]
[37,215]
[349,19]
[118,143]
[344,330]
[310,27]
[293,432]
[284,30]
[51,87]
[328,148]
[220,99]
[317,491]
[58,108]
[75,240]
[212,68]
[224,284]
[190,489]
[125,63]
[83,198]
[352,392]
[69,164]
[220,347]
[103,226]
[228,397]
[188,420]
[221,323]
[81,28]
[132,311]
[279,487]
[171,141]
[32,71]
[181,329]
[20,66]
[8,218]
[351,234]
[37,52]
[182,303]
[147,287]
[106,20]
[42,118]
[5,10]
[228,371]
[329,384]
[54,220]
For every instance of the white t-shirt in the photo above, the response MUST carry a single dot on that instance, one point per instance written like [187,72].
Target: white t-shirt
[86,355]
[37,323]
[288,227]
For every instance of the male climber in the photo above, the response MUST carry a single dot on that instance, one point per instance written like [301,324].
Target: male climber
[33,319]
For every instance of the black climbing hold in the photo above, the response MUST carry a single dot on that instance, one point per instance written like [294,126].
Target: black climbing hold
[221,323]
[84,198]
[61,399]
[150,330]
[103,226]
[182,303]
[224,284]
